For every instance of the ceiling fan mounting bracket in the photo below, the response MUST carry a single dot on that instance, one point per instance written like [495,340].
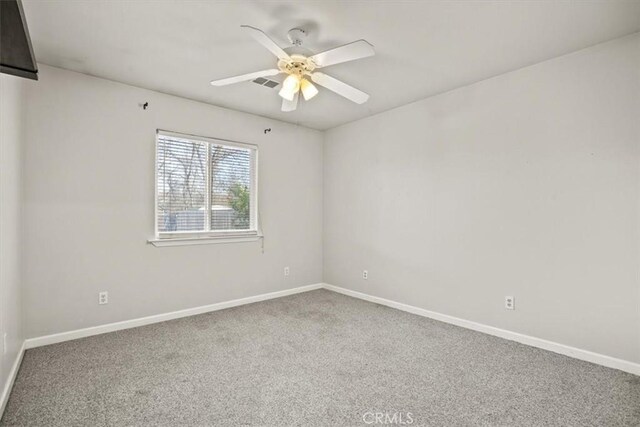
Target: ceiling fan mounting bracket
[297,36]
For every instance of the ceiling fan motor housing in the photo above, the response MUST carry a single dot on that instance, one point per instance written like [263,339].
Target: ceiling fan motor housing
[298,64]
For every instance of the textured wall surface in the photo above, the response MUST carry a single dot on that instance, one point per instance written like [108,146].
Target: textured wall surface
[11,139]
[526,184]
[89,203]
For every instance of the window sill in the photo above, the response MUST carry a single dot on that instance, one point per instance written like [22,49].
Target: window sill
[208,240]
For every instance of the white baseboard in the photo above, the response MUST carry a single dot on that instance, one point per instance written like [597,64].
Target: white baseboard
[133,323]
[600,359]
[6,391]
[576,353]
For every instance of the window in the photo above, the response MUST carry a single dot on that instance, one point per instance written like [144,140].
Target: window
[205,187]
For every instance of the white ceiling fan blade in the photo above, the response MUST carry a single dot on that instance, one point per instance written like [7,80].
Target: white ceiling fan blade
[266,41]
[342,89]
[245,77]
[288,106]
[348,52]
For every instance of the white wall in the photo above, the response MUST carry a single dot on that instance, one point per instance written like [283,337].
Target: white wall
[89,206]
[527,184]
[11,137]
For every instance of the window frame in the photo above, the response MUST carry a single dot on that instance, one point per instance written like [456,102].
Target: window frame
[224,236]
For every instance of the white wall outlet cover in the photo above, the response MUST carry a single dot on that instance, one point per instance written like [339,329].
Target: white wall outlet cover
[509,303]
[286,271]
[365,274]
[103,298]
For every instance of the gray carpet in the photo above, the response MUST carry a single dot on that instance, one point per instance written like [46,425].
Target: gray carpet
[317,358]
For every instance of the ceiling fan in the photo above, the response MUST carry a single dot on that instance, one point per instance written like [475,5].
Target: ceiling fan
[300,67]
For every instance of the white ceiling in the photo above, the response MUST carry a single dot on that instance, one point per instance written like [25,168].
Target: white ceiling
[423,48]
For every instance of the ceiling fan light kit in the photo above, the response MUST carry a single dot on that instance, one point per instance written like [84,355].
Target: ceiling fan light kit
[297,68]
[308,89]
[290,87]
[300,69]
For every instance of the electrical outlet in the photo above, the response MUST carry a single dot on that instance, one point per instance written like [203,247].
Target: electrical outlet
[103,297]
[4,343]
[365,274]
[509,303]
[286,272]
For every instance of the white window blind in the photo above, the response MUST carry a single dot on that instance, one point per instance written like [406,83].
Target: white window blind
[204,187]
